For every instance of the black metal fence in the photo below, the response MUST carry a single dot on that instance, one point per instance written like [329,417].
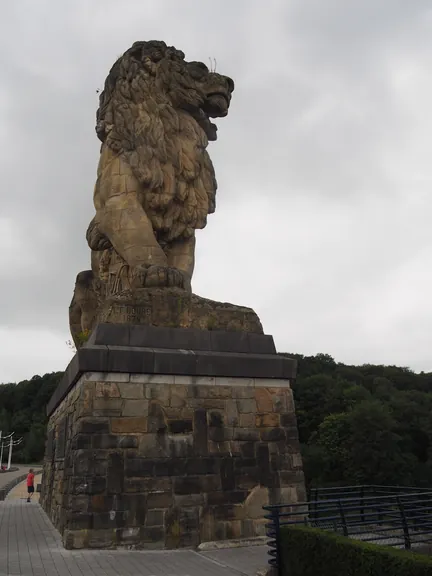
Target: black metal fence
[389,515]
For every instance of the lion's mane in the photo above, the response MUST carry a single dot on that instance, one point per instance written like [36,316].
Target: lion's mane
[139,118]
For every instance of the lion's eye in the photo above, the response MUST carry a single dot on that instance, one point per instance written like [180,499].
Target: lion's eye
[197,70]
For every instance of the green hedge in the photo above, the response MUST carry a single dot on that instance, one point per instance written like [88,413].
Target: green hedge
[311,552]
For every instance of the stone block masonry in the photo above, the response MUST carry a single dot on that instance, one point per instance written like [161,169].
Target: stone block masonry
[169,437]
[169,461]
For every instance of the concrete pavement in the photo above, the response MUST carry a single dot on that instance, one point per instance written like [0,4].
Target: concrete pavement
[30,546]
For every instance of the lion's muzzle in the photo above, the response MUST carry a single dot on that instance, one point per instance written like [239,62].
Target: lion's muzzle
[218,97]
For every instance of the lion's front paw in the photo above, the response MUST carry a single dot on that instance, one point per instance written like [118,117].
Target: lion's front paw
[160,276]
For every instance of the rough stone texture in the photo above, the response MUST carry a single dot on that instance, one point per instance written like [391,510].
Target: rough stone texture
[155,186]
[153,461]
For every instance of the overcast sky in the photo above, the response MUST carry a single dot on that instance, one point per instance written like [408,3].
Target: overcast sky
[323,221]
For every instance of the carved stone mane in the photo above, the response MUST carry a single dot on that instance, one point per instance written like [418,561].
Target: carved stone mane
[154,111]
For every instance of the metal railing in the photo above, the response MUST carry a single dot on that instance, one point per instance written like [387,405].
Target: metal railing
[389,515]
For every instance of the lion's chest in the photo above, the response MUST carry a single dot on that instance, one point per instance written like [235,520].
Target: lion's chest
[186,194]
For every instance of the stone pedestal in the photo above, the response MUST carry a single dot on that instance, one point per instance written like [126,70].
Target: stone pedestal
[166,438]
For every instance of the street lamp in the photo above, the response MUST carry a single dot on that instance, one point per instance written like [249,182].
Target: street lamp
[4,442]
[12,443]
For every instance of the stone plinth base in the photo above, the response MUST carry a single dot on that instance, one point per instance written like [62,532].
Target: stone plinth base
[168,460]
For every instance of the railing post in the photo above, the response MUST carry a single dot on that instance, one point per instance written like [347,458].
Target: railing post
[380,515]
[343,519]
[276,523]
[316,505]
[404,524]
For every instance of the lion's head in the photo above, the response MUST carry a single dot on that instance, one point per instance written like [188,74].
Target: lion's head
[153,70]
[155,110]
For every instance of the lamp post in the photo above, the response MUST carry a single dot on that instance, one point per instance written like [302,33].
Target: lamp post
[12,443]
[2,445]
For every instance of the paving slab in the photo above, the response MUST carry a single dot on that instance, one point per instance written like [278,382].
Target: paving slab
[31,546]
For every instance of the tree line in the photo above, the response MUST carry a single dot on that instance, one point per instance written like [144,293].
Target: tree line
[357,424]
[23,411]
[363,424]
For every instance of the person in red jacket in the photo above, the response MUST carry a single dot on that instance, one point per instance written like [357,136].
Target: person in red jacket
[30,484]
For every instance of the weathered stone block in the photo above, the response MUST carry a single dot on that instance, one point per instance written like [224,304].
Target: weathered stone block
[181,426]
[272,434]
[80,521]
[155,517]
[115,474]
[231,413]
[161,392]
[288,420]
[109,520]
[216,419]
[87,485]
[200,432]
[169,467]
[246,406]
[132,425]
[93,426]
[107,390]
[107,406]
[132,390]
[101,538]
[271,420]
[226,497]
[152,445]
[246,420]
[154,535]
[135,407]
[156,418]
[189,500]
[160,499]
[139,467]
[197,466]
[82,441]
[264,400]
[217,434]
[247,449]
[147,485]
[89,462]
[246,434]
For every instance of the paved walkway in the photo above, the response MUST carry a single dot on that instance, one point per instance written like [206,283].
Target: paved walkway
[30,546]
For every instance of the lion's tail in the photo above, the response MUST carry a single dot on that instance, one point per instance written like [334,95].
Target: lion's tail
[95,238]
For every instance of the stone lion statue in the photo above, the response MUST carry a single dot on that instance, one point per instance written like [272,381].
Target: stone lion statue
[155,181]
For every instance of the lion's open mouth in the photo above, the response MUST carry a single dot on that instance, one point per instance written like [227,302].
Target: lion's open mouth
[215,106]
[204,121]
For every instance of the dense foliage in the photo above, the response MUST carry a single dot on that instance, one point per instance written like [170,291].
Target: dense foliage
[308,552]
[363,424]
[23,411]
